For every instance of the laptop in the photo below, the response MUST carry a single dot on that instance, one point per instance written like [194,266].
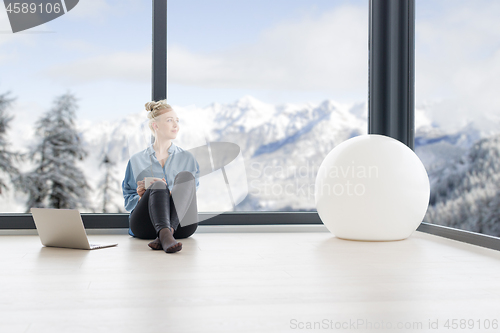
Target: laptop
[63,228]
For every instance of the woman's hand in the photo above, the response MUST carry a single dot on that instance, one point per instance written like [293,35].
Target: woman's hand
[140,188]
[157,179]
[166,184]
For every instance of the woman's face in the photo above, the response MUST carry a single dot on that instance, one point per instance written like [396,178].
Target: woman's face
[167,125]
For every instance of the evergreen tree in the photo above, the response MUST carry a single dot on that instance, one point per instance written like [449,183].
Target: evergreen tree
[57,182]
[107,186]
[6,156]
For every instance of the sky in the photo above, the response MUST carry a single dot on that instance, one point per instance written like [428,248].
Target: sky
[278,51]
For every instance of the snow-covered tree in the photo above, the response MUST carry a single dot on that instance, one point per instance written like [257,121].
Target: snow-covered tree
[109,185]
[465,193]
[7,157]
[56,181]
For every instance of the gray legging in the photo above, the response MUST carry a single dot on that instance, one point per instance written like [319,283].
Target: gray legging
[156,209]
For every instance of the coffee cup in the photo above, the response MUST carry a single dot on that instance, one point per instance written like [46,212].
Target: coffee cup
[148,181]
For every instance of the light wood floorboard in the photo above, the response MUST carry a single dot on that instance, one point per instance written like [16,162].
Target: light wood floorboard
[247,282]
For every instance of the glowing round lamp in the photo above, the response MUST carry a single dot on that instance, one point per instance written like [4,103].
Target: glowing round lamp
[372,188]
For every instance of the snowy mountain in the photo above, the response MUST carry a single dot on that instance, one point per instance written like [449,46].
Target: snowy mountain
[435,146]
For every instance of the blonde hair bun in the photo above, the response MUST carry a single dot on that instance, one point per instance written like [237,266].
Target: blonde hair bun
[155,109]
[150,106]
[157,106]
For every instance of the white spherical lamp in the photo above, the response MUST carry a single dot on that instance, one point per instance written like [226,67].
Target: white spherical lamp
[372,188]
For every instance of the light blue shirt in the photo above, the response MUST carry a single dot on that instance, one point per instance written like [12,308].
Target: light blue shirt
[144,164]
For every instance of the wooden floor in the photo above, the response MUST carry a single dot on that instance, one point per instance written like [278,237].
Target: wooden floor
[249,282]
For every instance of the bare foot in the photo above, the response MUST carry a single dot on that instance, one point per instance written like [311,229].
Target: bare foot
[168,242]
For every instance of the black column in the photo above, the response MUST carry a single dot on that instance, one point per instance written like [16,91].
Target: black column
[391,91]
[159,74]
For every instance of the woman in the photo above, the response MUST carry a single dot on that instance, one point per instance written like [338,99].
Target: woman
[153,214]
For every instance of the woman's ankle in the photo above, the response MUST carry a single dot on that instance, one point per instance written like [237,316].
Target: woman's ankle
[168,231]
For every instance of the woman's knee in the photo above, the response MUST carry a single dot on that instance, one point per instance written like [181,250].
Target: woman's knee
[158,185]
[183,176]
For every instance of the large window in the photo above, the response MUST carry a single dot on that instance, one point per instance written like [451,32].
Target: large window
[458,111]
[284,80]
